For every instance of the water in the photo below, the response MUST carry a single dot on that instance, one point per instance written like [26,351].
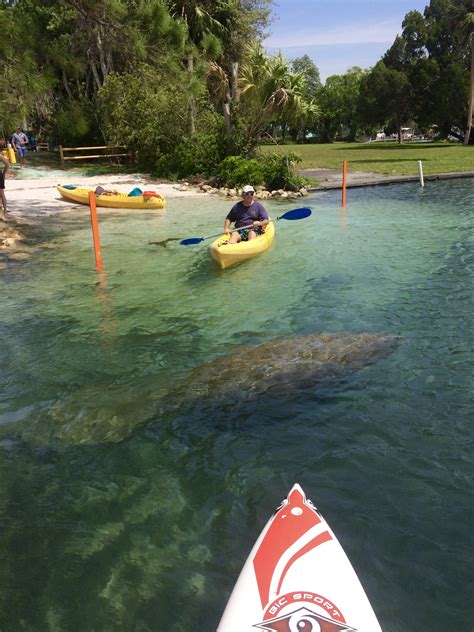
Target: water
[120,509]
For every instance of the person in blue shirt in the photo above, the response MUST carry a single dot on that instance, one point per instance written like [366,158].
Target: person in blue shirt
[20,143]
[248,212]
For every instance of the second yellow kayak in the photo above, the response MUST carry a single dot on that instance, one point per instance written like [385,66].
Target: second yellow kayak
[229,254]
[121,200]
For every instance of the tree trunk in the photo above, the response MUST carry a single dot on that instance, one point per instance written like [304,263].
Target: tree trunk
[191,102]
[103,65]
[234,86]
[471,97]
[66,85]
[227,119]
[95,74]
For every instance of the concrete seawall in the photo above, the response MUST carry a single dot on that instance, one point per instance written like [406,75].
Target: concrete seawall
[332,178]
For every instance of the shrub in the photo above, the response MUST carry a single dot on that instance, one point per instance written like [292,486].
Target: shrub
[201,153]
[279,171]
[274,171]
[235,171]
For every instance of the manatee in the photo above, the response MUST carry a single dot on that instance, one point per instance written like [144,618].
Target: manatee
[288,363]
[95,413]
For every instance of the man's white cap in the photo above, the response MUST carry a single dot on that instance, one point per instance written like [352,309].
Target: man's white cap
[248,188]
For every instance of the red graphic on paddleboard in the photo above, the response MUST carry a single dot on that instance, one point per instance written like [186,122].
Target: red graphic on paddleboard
[293,520]
[296,530]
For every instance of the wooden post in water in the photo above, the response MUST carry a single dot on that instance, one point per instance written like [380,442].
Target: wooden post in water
[344,178]
[420,173]
[95,231]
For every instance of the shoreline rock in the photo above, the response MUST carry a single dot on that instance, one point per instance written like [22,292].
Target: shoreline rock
[260,192]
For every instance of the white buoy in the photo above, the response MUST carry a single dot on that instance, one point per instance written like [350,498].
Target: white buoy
[420,171]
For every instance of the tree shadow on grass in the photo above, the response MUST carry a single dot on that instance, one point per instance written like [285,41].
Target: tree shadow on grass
[397,147]
[388,160]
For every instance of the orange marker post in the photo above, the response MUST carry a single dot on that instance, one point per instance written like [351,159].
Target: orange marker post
[95,231]
[344,178]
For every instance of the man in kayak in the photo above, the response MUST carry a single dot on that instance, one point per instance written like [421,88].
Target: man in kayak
[249,213]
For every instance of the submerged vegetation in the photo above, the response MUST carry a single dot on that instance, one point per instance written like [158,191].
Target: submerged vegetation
[187,84]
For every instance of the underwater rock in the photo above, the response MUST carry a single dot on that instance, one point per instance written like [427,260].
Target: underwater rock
[10,234]
[288,363]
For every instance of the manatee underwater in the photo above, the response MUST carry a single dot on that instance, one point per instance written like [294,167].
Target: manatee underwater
[95,414]
[288,363]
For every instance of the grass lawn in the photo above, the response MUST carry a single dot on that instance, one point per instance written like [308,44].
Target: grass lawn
[384,157]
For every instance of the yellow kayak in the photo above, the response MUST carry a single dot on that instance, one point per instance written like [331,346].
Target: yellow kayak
[120,200]
[229,254]
[9,154]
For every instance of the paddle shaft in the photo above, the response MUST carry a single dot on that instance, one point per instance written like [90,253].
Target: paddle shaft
[297,213]
[232,230]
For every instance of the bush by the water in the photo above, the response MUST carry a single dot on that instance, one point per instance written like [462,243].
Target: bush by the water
[235,171]
[279,172]
[273,171]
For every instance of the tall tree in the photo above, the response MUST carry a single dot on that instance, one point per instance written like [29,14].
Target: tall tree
[434,53]
[386,95]
[338,100]
[306,66]
[270,91]
[243,21]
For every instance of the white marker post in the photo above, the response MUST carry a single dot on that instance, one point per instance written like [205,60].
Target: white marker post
[420,171]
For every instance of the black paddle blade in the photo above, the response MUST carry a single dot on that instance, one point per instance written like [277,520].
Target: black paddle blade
[191,241]
[297,213]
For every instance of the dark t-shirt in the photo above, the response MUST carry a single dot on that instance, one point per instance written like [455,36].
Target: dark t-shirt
[244,215]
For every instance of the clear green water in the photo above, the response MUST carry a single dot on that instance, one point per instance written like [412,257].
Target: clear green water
[121,510]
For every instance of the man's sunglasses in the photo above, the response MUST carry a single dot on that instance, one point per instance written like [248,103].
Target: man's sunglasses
[248,193]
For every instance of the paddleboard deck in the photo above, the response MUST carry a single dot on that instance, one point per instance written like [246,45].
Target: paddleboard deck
[297,578]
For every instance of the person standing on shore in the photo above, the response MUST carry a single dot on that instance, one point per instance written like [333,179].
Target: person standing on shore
[248,212]
[20,143]
[3,171]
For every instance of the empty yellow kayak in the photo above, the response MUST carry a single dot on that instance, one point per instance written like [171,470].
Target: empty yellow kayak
[149,200]
[229,254]
[9,154]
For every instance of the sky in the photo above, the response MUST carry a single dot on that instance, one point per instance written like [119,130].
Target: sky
[338,34]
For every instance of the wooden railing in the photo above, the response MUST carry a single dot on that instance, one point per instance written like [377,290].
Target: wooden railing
[108,151]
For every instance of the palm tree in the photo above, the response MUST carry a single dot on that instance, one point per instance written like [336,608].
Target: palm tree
[269,91]
[204,33]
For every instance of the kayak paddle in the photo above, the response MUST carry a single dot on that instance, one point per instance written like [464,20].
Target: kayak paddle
[296,213]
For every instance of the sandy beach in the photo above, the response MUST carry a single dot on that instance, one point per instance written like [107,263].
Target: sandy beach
[30,198]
